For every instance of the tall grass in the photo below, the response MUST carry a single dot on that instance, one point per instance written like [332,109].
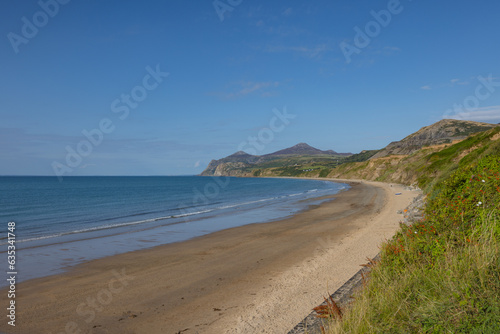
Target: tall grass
[442,274]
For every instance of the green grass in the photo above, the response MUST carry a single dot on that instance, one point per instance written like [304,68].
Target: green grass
[360,157]
[324,172]
[305,160]
[441,275]
[426,167]
[442,164]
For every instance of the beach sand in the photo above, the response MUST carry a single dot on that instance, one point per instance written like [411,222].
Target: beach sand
[259,278]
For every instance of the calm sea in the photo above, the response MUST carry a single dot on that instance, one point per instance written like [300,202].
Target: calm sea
[60,224]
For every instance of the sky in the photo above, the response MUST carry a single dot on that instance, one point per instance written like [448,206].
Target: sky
[163,87]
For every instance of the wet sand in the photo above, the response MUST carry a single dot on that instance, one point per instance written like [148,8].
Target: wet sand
[259,278]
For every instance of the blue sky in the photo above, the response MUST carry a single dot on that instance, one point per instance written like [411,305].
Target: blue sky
[163,87]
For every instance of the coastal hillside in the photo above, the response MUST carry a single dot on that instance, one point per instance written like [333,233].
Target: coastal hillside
[398,162]
[301,155]
[442,271]
[425,166]
[445,131]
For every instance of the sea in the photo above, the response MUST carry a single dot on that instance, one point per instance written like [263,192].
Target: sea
[61,224]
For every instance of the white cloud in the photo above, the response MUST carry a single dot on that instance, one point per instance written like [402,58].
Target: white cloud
[457,82]
[447,84]
[487,114]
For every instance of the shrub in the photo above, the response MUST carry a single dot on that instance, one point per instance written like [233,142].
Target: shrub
[442,274]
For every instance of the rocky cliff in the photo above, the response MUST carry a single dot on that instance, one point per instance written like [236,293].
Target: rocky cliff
[443,132]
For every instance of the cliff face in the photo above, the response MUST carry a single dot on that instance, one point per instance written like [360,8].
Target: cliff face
[442,132]
[230,169]
[231,165]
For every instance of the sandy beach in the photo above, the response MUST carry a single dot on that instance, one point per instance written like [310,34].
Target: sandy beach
[259,278]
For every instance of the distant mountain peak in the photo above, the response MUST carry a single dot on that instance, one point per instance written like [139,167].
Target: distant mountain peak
[236,162]
[240,154]
[302,149]
[305,146]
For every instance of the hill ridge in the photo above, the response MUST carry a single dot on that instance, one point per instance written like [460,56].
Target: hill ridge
[305,160]
[444,131]
[230,165]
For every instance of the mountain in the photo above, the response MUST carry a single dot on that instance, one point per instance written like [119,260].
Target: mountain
[443,132]
[304,149]
[244,164]
[396,162]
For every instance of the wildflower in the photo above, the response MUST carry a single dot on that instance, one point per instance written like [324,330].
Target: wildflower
[479,203]
[483,181]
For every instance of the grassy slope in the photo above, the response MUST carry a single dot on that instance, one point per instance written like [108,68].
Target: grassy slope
[399,169]
[424,167]
[307,166]
[441,275]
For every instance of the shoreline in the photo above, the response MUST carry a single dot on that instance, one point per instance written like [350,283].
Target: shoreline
[264,276]
[61,248]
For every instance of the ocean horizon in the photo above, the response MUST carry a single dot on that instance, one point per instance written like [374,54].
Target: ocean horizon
[62,224]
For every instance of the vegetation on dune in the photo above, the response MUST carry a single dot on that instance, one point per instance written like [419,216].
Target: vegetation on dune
[442,274]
